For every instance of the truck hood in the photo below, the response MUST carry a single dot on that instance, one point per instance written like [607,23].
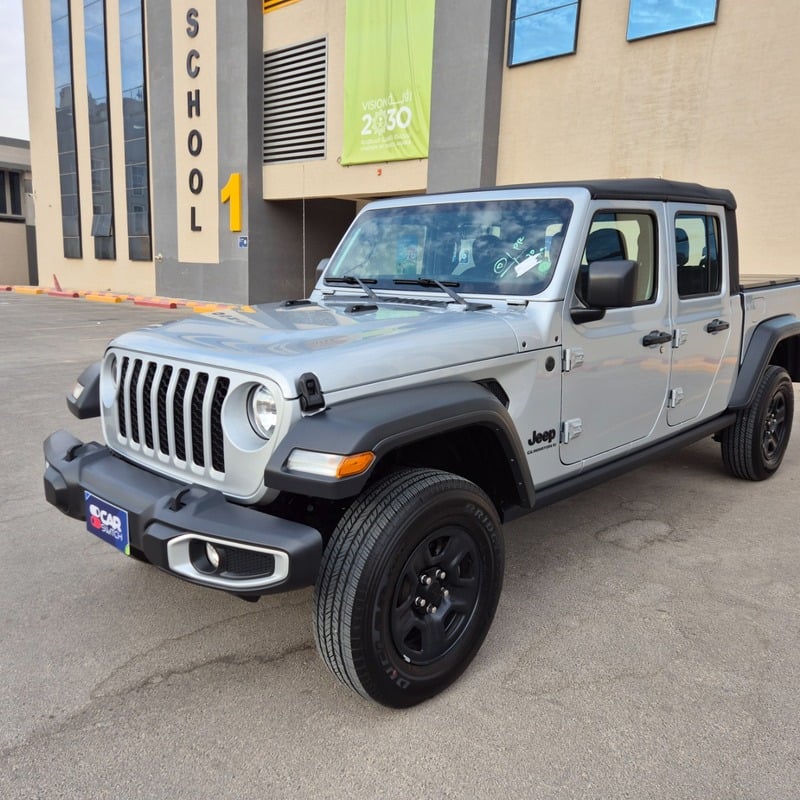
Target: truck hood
[341,344]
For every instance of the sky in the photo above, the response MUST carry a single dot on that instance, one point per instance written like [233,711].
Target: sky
[13,90]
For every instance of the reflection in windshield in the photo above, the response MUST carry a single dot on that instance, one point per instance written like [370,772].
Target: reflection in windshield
[491,247]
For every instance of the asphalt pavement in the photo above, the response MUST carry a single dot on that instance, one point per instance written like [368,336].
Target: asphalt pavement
[647,642]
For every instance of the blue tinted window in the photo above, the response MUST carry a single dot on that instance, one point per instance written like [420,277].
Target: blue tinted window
[134,114]
[651,17]
[99,129]
[542,29]
[65,129]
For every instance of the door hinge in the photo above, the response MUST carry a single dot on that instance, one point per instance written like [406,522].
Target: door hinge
[571,429]
[679,337]
[572,358]
[674,397]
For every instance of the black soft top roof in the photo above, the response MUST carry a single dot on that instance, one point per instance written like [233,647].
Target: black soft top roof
[645,189]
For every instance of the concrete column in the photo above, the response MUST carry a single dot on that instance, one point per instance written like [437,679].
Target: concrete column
[468,60]
[274,255]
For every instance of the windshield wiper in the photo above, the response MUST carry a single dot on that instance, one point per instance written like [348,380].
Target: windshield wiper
[445,286]
[352,280]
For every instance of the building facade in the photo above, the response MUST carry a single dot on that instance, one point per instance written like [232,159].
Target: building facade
[17,230]
[217,151]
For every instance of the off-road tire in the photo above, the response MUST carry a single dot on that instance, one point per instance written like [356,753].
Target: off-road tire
[408,586]
[754,446]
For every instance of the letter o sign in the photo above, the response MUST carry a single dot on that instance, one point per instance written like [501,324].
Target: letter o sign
[195,142]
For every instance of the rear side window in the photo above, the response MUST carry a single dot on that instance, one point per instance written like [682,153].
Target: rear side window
[698,262]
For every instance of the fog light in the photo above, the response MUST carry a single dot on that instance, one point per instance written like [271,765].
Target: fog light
[213,556]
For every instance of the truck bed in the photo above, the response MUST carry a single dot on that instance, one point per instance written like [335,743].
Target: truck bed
[749,282]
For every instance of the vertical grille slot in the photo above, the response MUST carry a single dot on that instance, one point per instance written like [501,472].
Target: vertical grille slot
[133,400]
[163,427]
[147,405]
[122,425]
[177,414]
[217,443]
[197,419]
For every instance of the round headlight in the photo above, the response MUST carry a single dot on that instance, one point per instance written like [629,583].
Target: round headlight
[262,411]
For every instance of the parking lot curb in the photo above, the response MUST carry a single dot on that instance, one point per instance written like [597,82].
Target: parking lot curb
[199,306]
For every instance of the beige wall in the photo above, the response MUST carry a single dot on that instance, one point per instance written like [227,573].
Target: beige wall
[136,277]
[299,22]
[718,105]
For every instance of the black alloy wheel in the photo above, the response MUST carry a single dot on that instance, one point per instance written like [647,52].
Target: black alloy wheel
[754,446]
[408,586]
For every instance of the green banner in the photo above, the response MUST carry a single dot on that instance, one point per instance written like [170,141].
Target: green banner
[387,80]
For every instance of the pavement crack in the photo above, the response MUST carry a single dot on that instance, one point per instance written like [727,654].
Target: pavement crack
[77,719]
[130,665]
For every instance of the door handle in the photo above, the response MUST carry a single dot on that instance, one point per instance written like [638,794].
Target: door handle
[656,337]
[717,325]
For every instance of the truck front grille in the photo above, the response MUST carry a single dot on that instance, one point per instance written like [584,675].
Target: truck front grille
[171,411]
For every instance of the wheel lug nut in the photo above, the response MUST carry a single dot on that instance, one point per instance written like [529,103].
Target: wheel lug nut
[441,574]
[446,594]
[421,602]
[431,609]
[425,580]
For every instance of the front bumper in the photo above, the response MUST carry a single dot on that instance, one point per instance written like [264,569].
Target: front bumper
[171,522]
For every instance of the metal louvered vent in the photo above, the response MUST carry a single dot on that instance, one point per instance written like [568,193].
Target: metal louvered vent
[295,80]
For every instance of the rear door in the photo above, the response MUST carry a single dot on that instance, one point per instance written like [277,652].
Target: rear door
[705,346]
[614,384]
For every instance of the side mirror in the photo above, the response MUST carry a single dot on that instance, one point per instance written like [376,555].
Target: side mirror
[611,284]
[323,262]
[607,284]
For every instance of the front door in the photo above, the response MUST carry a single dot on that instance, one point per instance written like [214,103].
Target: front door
[616,371]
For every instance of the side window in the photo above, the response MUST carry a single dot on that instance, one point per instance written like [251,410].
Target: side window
[627,235]
[699,267]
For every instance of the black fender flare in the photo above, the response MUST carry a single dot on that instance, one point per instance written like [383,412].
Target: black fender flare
[87,404]
[385,421]
[765,339]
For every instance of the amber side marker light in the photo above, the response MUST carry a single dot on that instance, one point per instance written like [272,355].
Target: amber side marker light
[329,465]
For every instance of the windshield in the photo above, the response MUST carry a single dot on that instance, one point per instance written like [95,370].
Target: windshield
[486,247]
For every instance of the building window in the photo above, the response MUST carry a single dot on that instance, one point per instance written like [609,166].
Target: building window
[10,194]
[542,29]
[134,116]
[295,81]
[65,128]
[99,129]
[652,17]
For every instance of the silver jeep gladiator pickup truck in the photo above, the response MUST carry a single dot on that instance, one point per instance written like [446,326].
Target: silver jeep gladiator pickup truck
[464,359]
